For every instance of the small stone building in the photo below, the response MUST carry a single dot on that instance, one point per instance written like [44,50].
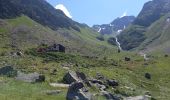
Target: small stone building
[56,48]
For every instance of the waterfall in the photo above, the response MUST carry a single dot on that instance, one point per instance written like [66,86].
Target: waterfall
[118,43]
[99,30]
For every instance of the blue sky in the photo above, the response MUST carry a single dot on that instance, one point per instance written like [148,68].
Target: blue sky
[99,11]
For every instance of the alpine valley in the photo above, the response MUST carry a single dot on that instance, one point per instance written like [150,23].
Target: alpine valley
[45,55]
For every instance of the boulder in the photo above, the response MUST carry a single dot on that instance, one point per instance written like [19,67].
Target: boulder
[127,59]
[147,75]
[75,92]
[31,78]
[8,70]
[70,77]
[112,83]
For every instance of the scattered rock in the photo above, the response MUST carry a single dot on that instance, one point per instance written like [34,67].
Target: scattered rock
[112,83]
[19,53]
[53,92]
[145,64]
[127,59]
[88,83]
[31,78]
[94,81]
[67,65]
[8,70]
[148,93]
[15,54]
[147,75]
[166,56]
[99,76]
[101,87]
[109,96]
[66,68]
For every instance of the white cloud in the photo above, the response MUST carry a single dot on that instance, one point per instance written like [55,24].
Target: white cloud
[124,14]
[64,9]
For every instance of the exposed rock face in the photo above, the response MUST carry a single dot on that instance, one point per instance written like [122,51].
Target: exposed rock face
[31,78]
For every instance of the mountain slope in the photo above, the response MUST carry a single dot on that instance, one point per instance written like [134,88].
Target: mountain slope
[158,37]
[139,31]
[23,33]
[29,23]
[38,10]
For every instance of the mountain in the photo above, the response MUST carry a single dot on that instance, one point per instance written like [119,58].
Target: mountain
[117,25]
[38,10]
[27,24]
[149,28]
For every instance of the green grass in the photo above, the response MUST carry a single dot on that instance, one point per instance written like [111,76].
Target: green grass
[16,90]
[129,74]
[23,20]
